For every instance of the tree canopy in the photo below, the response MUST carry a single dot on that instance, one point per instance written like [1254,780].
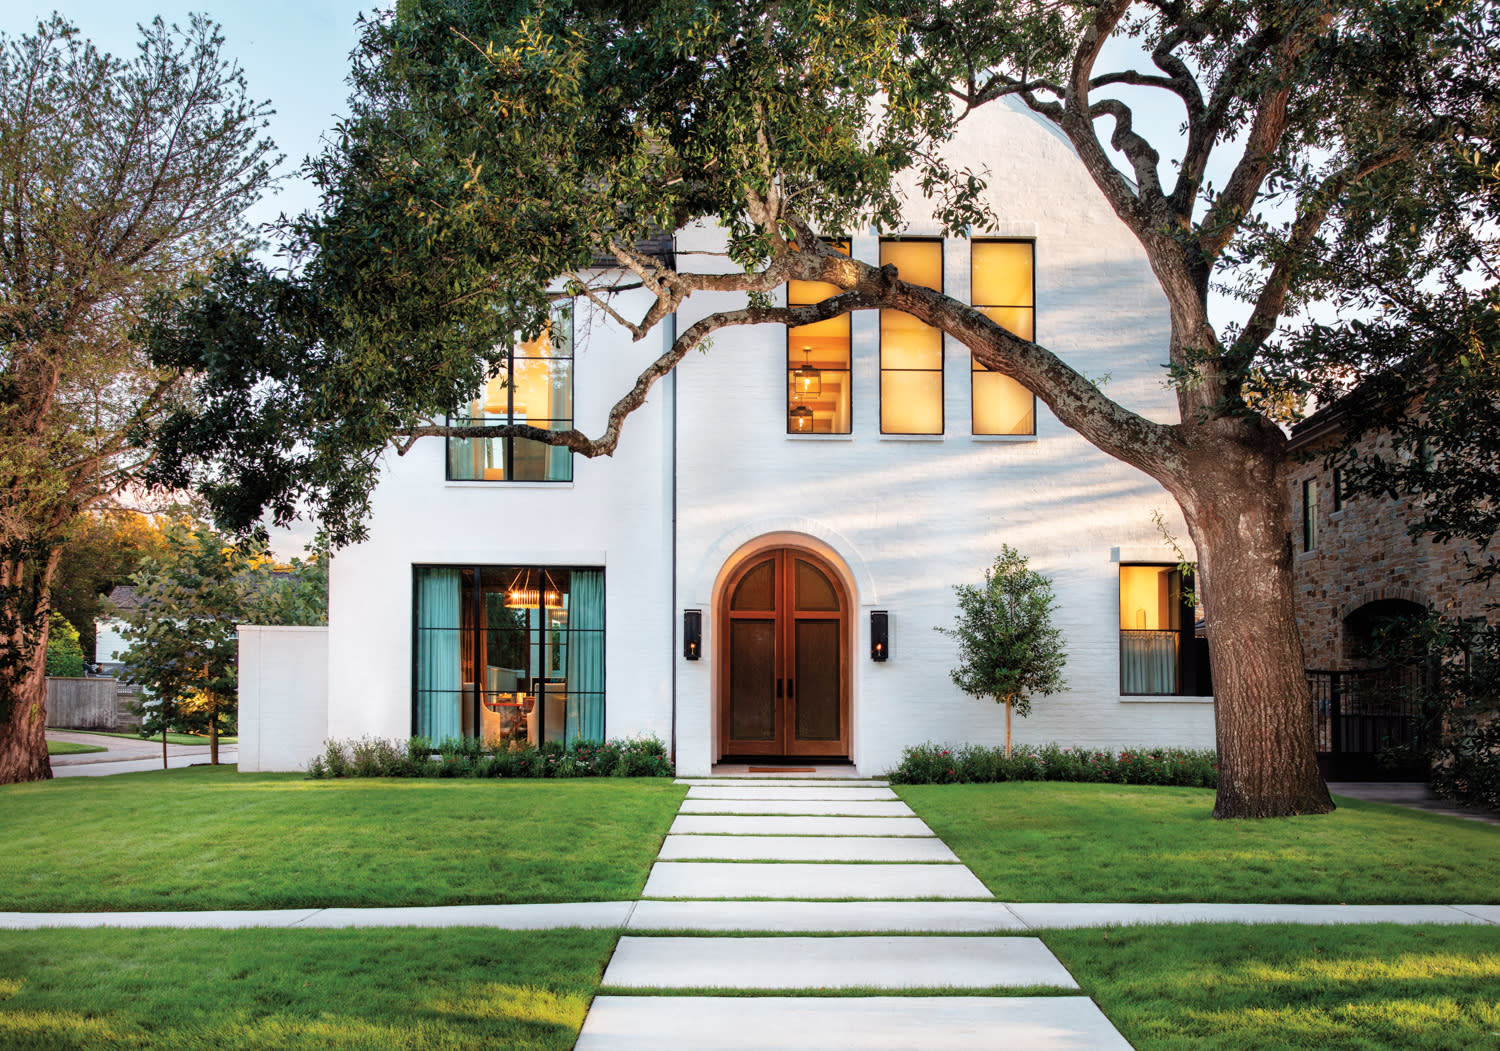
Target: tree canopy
[498,152]
[120,178]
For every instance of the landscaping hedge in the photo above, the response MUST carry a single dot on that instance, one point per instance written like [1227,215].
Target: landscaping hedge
[464,757]
[934,764]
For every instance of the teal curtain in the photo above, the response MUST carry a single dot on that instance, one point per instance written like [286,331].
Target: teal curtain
[439,667]
[585,713]
[1148,662]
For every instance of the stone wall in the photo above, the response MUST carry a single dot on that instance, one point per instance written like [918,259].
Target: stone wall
[1363,555]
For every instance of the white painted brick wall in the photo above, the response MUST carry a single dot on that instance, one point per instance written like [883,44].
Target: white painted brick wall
[907,519]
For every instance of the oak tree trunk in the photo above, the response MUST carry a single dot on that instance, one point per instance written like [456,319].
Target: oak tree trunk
[1238,518]
[23,710]
[213,737]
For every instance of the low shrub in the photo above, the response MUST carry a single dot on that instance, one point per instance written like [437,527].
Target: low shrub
[935,764]
[466,757]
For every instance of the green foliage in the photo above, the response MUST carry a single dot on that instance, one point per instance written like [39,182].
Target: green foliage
[1451,674]
[183,643]
[64,654]
[121,177]
[469,757]
[933,764]
[1008,648]
[106,549]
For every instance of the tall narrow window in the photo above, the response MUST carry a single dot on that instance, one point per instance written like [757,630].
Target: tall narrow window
[1163,646]
[534,386]
[1310,515]
[508,654]
[817,364]
[911,352]
[1003,287]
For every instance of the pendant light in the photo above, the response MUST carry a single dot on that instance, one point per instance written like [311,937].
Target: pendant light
[806,379]
[801,419]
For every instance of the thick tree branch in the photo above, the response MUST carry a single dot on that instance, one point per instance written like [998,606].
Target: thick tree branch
[1077,122]
[1152,447]
[1272,299]
[404,437]
[1207,125]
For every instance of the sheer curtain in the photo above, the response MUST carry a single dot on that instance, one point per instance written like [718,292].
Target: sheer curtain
[1148,662]
[438,672]
[586,656]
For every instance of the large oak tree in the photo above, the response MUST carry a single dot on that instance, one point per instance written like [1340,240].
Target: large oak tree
[498,149]
[119,178]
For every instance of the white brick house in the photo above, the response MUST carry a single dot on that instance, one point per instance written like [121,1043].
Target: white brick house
[785,510]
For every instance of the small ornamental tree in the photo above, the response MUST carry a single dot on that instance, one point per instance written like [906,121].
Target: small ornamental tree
[184,644]
[1007,646]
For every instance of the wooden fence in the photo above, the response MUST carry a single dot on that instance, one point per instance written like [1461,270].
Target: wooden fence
[88,704]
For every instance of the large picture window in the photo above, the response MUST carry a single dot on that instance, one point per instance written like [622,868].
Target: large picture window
[1163,648]
[534,386]
[911,351]
[508,653]
[1003,286]
[817,364]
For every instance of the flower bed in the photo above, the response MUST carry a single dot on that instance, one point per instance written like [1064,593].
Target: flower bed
[465,757]
[934,764]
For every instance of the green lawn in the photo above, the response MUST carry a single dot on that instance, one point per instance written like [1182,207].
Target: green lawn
[207,838]
[172,738]
[1371,988]
[72,748]
[302,990]
[1051,841]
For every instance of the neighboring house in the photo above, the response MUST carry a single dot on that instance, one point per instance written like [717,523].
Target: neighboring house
[109,632]
[1356,566]
[758,570]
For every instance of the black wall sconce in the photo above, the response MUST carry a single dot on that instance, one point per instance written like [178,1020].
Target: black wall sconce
[692,633]
[880,635]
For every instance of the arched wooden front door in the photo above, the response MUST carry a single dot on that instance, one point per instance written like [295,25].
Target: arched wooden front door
[784,661]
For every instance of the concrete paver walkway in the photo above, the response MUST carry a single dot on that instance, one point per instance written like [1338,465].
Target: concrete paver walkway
[894,1023]
[812,831]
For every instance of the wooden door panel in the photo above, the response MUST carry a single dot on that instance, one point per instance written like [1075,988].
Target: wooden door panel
[752,680]
[816,648]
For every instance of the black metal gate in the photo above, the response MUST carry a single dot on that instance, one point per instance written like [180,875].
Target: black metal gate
[1364,721]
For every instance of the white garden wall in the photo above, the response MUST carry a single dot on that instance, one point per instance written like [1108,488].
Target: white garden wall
[283,687]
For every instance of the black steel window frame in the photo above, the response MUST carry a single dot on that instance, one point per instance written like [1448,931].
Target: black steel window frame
[477,629]
[981,306]
[1194,672]
[508,444]
[846,244]
[1309,515]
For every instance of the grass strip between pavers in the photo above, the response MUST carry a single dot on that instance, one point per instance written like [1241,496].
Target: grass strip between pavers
[1059,842]
[1376,987]
[212,838]
[297,990]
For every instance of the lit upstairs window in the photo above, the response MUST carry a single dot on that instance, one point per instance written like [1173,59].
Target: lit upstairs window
[911,352]
[533,386]
[817,364]
[1002,276]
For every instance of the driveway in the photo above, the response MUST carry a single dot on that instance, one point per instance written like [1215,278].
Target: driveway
[126,755]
